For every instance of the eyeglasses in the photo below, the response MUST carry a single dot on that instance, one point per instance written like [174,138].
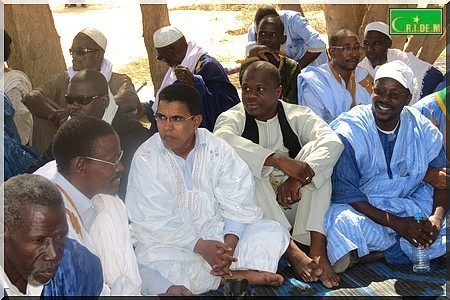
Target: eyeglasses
[82,100]
[347,49]
[391,94]
[81,51]
[113,163]
[173,119]
[159,56]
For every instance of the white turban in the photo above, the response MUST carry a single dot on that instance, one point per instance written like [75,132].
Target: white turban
[378,26]
[96,36]
[166,36]
[399,71]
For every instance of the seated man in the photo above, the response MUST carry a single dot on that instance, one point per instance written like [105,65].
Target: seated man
[292,151]
[17,157]
[434,108]
[377,47]
[303,43]
[337,86]
[270,37]
[88,95]
[190,64]
[192,207]
[46,102]
[87,171]
[17,85]
[378,181]
[38,258]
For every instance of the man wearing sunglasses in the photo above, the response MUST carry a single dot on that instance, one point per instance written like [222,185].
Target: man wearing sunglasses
[378,182]
[337,86]
[378,51]
[47,103]
[87,95]
[87,171]
[190,64]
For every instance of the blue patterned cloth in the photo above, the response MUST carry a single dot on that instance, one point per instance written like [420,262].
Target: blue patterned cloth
[393,185]
[18,157]
[79,273]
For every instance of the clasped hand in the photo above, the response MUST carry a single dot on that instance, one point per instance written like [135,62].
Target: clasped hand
[421,234]
[218,255]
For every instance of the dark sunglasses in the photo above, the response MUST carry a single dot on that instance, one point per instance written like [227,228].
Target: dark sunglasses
[81,51]
[82,100]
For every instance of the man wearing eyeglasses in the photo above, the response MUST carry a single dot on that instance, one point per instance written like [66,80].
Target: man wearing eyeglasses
[87,95]
[377,48]
[337,86]
[191,64]
[47,103]
[378,182]
[87,171]
[192,206]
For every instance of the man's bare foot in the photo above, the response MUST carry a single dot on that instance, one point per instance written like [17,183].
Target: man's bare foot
[303,266]
[256,277]
[318,253]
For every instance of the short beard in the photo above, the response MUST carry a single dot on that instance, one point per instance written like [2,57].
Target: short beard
[32,281]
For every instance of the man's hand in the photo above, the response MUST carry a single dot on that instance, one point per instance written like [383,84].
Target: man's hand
[215,253]
[432,227]
[437,177]
[58,117]
[413,232]
[177,290]
[184,75]
[298,170]
[265,53]
[288,193]
[227,257]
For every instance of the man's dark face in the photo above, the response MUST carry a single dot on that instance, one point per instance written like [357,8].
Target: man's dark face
[102,177]
[94,109]
[346,60]
[270,35]
[90,60]
[260,94]
[171,55]
[388,99]
[35,247]
[376,45]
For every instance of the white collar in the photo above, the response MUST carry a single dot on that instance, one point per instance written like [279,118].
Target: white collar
[12,290]
[82,202]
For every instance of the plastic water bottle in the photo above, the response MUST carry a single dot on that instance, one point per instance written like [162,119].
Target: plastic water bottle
[420,257]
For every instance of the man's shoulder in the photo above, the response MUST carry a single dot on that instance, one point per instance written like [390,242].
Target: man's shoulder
[119,76]
[123,125]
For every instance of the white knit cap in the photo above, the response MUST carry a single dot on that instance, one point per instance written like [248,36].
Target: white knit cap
[166,36]
[378,26]
[96,36]
[399,71]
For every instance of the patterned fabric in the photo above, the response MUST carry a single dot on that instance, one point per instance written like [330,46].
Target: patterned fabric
[79,273]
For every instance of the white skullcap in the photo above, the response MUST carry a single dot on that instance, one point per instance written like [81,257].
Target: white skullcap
[378,26]
[166,36]
[96,36]
[397,70]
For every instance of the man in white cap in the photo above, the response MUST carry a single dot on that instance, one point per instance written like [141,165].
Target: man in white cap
[377,47]
[378,181]
[46,102]
[336,86]
[190,64]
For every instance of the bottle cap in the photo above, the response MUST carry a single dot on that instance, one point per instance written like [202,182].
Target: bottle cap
[418,216]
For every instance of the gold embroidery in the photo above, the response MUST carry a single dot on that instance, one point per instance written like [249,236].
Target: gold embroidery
[73,218]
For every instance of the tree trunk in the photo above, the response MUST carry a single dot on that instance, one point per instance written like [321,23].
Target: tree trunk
[36,48]
[344,16]
[294,7]
[154,16]
[373,14]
